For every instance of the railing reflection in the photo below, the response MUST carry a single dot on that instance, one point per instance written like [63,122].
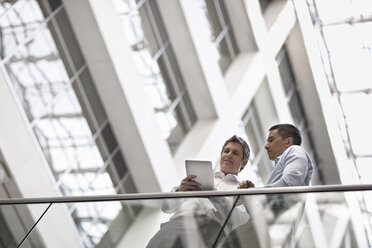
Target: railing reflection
[317,216]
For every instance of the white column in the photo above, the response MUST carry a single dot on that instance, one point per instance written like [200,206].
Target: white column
[109,58]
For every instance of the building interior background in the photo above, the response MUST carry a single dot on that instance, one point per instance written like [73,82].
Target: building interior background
[105,97]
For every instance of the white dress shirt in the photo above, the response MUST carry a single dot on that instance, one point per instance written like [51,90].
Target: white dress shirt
[215,208]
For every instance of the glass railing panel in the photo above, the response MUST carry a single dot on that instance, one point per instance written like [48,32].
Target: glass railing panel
[318,219]
[198,222]
[300,220]
[17,221]
[181,222]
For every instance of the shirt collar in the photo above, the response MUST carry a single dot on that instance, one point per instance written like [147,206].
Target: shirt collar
[219,174]
[222,175]
[276,160]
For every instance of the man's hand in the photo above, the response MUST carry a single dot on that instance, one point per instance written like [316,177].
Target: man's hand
[188,184]
[246,184]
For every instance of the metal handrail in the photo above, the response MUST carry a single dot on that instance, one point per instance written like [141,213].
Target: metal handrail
[188,194]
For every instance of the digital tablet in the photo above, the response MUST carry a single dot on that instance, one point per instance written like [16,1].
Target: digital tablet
[203,172]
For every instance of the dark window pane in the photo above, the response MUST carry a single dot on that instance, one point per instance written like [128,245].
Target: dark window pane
[296,110]
[159,27]
[69,39]
[214,20]
[129,185]
[147,25]
[120,166]
[54,4]
[109,138]
[93,97]
[252,137]
[264,4]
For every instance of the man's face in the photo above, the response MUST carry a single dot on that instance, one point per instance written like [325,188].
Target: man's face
[231,158]
[276,145]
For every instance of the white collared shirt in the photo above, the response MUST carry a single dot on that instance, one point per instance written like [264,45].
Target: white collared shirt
[215,208]
[225,182]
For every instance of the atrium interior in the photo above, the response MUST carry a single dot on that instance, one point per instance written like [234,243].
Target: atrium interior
[105,97]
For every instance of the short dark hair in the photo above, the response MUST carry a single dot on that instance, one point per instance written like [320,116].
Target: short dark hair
[241,141]
[288,130]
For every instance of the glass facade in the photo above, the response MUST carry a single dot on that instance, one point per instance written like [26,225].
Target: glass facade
[345,46]
[293,98]
[54,85]
[252,125]
[345,42]
[156,63]
[220,31]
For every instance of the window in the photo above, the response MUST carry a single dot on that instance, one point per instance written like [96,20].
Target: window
[221,33]
[156,63]
[293,97]
[257,139]
[54,85]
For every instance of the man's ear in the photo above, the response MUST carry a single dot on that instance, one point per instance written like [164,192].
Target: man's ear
[243,165]
[289,142]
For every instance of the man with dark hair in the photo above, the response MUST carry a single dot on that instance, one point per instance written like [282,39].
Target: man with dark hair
[293,166]
[197,221]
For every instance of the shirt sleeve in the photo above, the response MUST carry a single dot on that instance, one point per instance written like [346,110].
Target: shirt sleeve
[170,206]
[223,207]
[295,169]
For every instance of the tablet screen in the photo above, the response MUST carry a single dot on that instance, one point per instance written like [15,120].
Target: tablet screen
[203,172]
